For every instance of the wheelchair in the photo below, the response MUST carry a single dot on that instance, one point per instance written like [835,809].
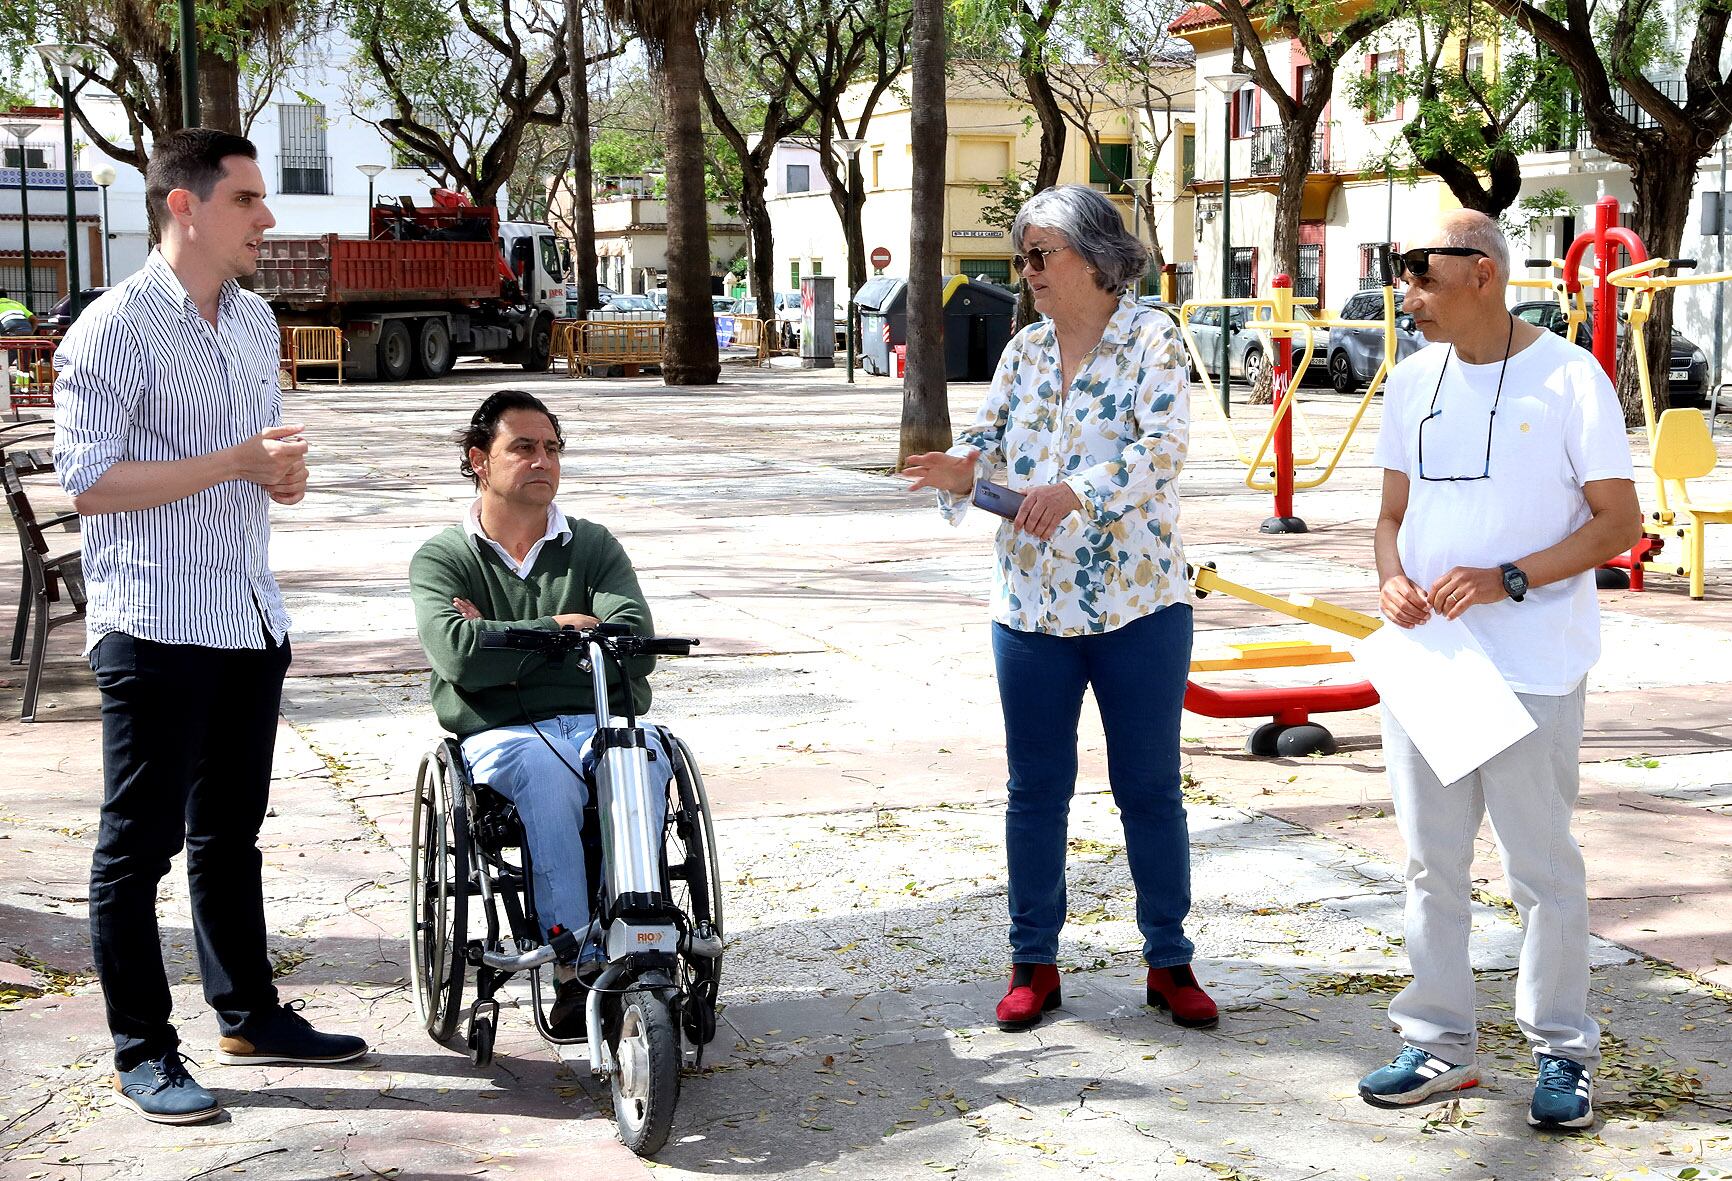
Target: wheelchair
[656,899]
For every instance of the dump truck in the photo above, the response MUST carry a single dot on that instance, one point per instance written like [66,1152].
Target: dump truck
[429,284]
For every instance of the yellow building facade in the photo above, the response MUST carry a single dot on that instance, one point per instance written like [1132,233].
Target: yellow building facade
[991,135]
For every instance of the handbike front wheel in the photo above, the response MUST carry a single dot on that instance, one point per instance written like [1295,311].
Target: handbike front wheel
[646,1075]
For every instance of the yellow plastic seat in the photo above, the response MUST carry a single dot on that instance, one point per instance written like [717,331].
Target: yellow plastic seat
[1684,451]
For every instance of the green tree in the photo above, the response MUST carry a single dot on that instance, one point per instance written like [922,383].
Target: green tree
[1661,130]
[458,84]
[1473,116]
[747,87]
[851,54]
[925,396]
[1326,33]
[247,48]
[670,31]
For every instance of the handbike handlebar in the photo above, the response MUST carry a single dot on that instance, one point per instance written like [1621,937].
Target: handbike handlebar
[616,638]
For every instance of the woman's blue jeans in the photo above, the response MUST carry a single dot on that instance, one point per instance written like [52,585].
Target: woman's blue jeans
[1138,673]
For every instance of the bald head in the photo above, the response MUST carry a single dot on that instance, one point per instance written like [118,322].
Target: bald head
[1476,231]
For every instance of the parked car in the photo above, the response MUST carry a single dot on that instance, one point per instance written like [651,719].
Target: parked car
[724,304]
[1247,351]
[60,317]
[603,292]
[1355,353]
[629,307]
[783,323]
[1687,376]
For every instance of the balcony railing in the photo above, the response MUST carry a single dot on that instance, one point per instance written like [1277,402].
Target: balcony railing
[301,173]
[1567,130]
[1269,145]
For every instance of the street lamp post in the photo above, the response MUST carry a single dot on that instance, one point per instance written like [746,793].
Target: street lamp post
[104,176]
[852,147]
[22,132]
[59,61]
[1228,85]
[371,170]
[188,63]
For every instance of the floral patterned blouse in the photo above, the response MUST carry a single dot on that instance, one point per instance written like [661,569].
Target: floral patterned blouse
[1117,437]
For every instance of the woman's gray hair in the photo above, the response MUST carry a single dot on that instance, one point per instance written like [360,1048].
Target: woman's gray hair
[1093,227]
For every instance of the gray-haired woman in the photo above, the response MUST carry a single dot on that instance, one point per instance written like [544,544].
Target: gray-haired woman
[1087,416]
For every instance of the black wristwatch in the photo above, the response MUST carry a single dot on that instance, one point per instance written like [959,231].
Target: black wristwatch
[1515,583]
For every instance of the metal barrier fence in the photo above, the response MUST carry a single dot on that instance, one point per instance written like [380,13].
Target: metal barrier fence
[588,343]
[310,345]
[27,365]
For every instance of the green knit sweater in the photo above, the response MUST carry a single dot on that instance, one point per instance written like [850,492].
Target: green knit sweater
[475,688]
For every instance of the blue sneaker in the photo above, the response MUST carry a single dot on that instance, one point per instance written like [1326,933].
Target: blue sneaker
[1564,1096]
[163,1092]
[1413,1077]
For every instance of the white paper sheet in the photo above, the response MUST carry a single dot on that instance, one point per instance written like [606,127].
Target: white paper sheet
[1446,693]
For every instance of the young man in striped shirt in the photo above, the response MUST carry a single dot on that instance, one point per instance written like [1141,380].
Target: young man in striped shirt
[169,437]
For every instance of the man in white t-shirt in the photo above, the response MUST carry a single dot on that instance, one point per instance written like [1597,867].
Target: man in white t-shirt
[1506,481]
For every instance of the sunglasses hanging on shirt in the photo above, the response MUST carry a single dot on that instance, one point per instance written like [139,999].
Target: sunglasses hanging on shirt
[1435,413]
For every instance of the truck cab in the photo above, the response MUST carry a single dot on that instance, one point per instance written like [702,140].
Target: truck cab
[536,257]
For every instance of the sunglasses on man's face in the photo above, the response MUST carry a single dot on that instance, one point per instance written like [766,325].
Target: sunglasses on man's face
[1417,262]
[1035,259]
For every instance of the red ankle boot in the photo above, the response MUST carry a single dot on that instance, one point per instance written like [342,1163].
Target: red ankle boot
[1176,989]
[1033,991]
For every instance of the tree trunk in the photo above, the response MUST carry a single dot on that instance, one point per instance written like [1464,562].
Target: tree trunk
[583,259]
[219,92]
[855,233]
[689,348]
[925,404]
[1663,186]
[1299,137]
[755,212]
[1503,176]
[1053,133]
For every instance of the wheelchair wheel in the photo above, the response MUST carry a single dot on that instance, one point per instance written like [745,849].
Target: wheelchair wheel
[695,875]
[438,891]
[695,885]
[646,1077]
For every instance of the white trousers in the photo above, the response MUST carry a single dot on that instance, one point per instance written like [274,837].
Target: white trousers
[1528,791]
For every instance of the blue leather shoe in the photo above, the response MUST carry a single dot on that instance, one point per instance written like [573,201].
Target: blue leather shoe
[1564,1096]
[163,1092]
[284,1036]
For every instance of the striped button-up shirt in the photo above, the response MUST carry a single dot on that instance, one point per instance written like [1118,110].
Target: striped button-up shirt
[142,376]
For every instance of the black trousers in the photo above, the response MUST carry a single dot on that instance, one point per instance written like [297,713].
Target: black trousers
[187,739]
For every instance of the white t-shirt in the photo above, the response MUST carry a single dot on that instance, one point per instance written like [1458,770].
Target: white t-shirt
[1558,426]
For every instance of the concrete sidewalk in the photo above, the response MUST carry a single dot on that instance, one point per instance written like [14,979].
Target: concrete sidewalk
[845,715]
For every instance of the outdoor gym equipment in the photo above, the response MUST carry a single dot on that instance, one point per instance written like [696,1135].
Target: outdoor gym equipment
[1677,451]
[1274,316]
[1290,733]
[1680,445]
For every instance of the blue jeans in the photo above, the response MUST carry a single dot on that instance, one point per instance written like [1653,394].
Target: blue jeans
[516,763]
[1138,673]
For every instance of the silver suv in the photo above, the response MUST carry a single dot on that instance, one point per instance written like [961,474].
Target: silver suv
[1355,353]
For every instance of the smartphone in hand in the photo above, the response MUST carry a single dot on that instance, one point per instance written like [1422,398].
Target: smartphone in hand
[996,498]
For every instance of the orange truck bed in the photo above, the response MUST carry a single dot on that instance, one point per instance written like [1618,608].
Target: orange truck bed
[334,270]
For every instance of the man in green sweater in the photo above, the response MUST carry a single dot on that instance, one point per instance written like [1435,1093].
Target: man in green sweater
[517,561]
